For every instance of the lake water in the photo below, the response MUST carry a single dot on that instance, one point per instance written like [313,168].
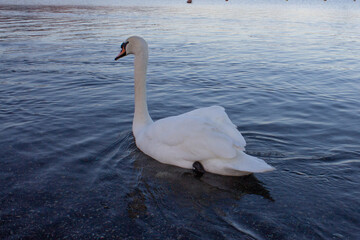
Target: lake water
[287,74]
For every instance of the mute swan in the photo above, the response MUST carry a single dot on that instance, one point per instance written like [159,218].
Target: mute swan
[203,139]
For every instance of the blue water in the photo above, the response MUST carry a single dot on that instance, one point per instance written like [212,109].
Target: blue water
[287,74]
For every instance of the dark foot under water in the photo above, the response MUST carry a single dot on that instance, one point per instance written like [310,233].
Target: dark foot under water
[198,169]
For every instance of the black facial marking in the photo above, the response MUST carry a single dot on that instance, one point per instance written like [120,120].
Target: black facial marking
[123,45]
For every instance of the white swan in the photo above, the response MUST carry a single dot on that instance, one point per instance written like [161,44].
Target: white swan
[204,139]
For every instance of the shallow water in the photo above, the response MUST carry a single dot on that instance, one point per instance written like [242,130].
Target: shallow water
[288,75]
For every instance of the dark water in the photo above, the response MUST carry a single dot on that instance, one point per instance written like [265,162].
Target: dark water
[288,75]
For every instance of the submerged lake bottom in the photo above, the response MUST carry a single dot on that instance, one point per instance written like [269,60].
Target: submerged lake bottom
[287,75]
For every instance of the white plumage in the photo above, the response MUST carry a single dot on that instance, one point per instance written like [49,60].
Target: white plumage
[204,135]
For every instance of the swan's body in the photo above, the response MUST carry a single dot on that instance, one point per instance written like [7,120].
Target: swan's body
[205,135]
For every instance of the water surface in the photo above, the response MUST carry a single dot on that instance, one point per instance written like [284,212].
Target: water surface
[288,75]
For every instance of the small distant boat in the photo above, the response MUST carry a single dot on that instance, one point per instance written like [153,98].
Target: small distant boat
[189,1]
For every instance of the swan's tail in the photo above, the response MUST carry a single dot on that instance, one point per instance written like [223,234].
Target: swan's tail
[247,163]
[240,165]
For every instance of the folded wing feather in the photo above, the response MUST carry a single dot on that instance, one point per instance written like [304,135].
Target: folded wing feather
[201,134]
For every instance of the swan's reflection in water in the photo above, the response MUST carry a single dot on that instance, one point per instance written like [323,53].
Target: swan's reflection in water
[169,187]
[153,198]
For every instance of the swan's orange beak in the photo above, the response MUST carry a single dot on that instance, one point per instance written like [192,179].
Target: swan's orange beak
[121,54]
[123,51]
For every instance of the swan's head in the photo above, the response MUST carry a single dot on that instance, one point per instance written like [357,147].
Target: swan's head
[133,45]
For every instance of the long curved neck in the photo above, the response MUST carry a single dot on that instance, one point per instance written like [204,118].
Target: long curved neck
[141,115]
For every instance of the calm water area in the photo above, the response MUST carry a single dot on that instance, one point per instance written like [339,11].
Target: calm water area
[287,73]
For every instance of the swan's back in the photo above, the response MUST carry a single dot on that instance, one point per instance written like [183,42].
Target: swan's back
[205,135]
[220,120]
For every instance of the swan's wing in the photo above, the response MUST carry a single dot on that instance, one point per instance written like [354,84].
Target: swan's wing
[218,116]
[192,137]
